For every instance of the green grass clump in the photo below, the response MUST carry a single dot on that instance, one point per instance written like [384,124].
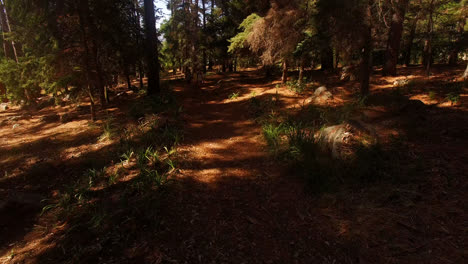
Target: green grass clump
[272,134]
[453,97]
[234,96]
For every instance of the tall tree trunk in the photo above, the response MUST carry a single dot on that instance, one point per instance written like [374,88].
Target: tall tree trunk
[284,77]
[394,37]
[458,44]
[409,44]
[427,53]
[84,41]
[366,63]
[151,48]
[204,30]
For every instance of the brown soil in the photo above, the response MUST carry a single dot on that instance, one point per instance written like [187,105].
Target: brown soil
[231,202]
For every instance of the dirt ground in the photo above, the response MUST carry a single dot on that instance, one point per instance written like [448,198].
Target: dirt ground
[230,201]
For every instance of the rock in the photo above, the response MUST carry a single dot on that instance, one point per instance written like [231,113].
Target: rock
[3,107]
[343,140]
[349,73]
[400,83]
[320,90]
[321,95]
[15,126]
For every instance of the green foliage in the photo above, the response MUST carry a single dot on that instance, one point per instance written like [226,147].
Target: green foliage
[272,134]
[453,97]
[26,79]
[238,42]
[234,95]
[296,86]
[108,128]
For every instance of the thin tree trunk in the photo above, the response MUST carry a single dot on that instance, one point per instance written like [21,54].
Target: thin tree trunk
[284,77]
[7,29]
[151,48]
[394,37]
[365,67]
[301,71]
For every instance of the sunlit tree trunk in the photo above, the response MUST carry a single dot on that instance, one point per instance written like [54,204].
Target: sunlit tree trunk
[151,48]
[394,37]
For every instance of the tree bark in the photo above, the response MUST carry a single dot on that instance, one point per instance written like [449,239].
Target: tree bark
[394,37]
[151,48]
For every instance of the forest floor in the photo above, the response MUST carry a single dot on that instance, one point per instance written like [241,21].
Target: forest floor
[228,198]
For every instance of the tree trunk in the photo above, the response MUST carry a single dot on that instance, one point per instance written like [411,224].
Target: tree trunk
[301,71]
[326,57]
[84,40]
[151,48]
[458,44]
[204,29]
[365,67]
[465,75]
[427,53]
[409,45]
[284,77]
[394,37]
[127,77]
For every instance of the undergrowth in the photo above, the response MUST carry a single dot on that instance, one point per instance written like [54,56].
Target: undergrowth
[292,139]
[126,194]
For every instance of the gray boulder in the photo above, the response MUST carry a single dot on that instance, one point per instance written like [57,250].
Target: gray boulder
[343,140]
